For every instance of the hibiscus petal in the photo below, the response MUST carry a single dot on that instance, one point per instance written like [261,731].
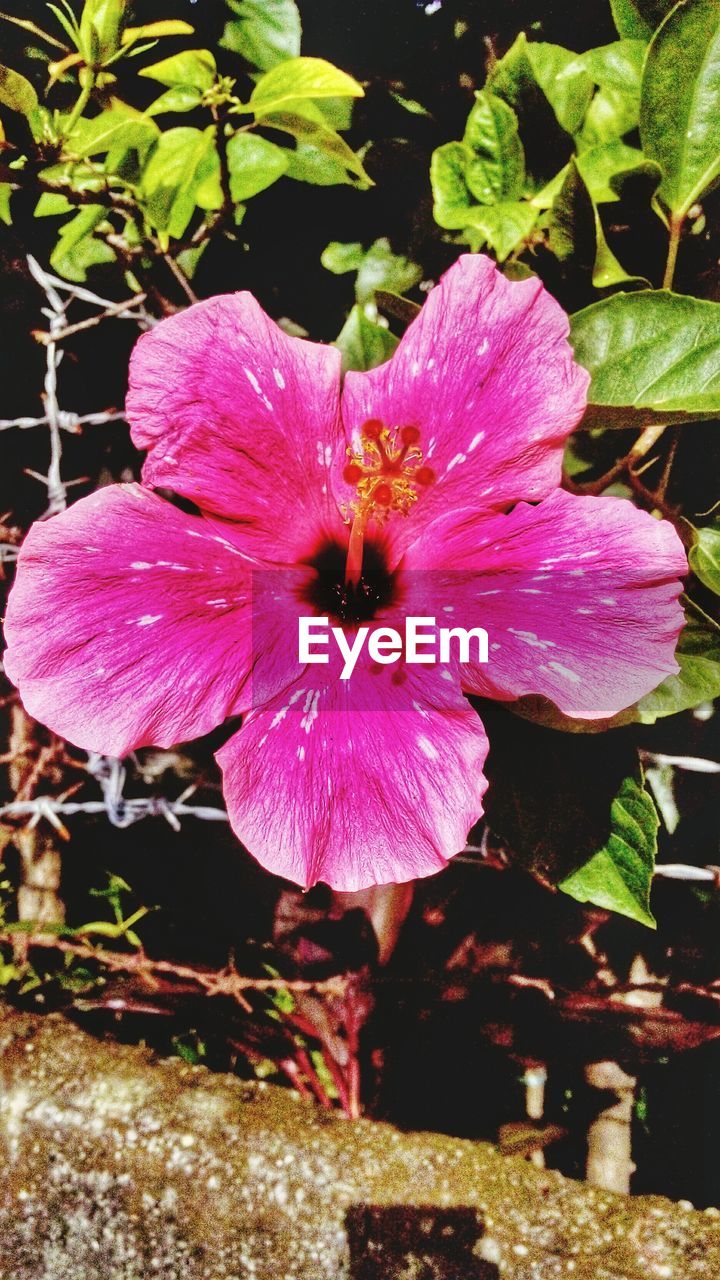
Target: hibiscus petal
[242,419]
[356,783]
[579,596]
[487,375]
[129,623]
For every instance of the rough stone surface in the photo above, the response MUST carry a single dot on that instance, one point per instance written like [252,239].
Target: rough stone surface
[119,1167]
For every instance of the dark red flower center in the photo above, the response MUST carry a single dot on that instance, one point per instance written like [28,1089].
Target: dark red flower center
[350,603]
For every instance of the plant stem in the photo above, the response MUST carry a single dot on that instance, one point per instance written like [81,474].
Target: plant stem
[221,141]
[81,103]
[676,226]
[181,278]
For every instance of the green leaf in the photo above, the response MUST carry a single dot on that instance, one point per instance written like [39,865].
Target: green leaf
[300,78]
[654,356]
[411,105]
[100,29]
[180,162]
[364,343]
[608,272]
[17,93]
[611,115]
[698,680]
[618,877]
[680,104]
[575,231]
[51,205]
[571,232]
[116,131]
[496,169]
[637,19]
[67,21]
[704,556]
[321,155]
[254,164]
[265,32]
[156,30]
[193,67]
[378,268]
[382,269]
[451,194]
[602,166]
[551,793]
[504,227]
[189,259]
[336,112]
[77,249]
[5,194]
[660,781]
[613,66]
[181,97]
[339,258]
[565,85]
[615,109]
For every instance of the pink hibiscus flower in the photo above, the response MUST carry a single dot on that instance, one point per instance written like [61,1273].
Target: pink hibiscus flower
[428,486]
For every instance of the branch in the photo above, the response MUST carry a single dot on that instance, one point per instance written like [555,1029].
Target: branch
[213,982]
[118,310]
[29,179]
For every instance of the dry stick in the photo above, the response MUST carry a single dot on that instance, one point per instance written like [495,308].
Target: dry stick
[38,896]
[665,477]
[120,310]
[535,1080]
[609,1154]
[221,982]
[181,278]
[76,290]
[105,196]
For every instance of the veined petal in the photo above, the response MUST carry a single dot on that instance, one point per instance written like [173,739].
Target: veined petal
[242,419]
[128,623]
[487,376]
[579,596]
[369,781]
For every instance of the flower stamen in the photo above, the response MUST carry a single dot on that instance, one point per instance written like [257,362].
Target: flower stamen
[386,473]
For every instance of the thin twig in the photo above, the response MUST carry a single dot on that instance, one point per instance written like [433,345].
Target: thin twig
[21,179]
[213,982]
[691,764]
[181,278]
[118,310]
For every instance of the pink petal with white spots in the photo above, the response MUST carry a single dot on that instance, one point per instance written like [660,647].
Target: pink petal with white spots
[129,623]
[357,783]
[487,375]
[241,419]
[579,596]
